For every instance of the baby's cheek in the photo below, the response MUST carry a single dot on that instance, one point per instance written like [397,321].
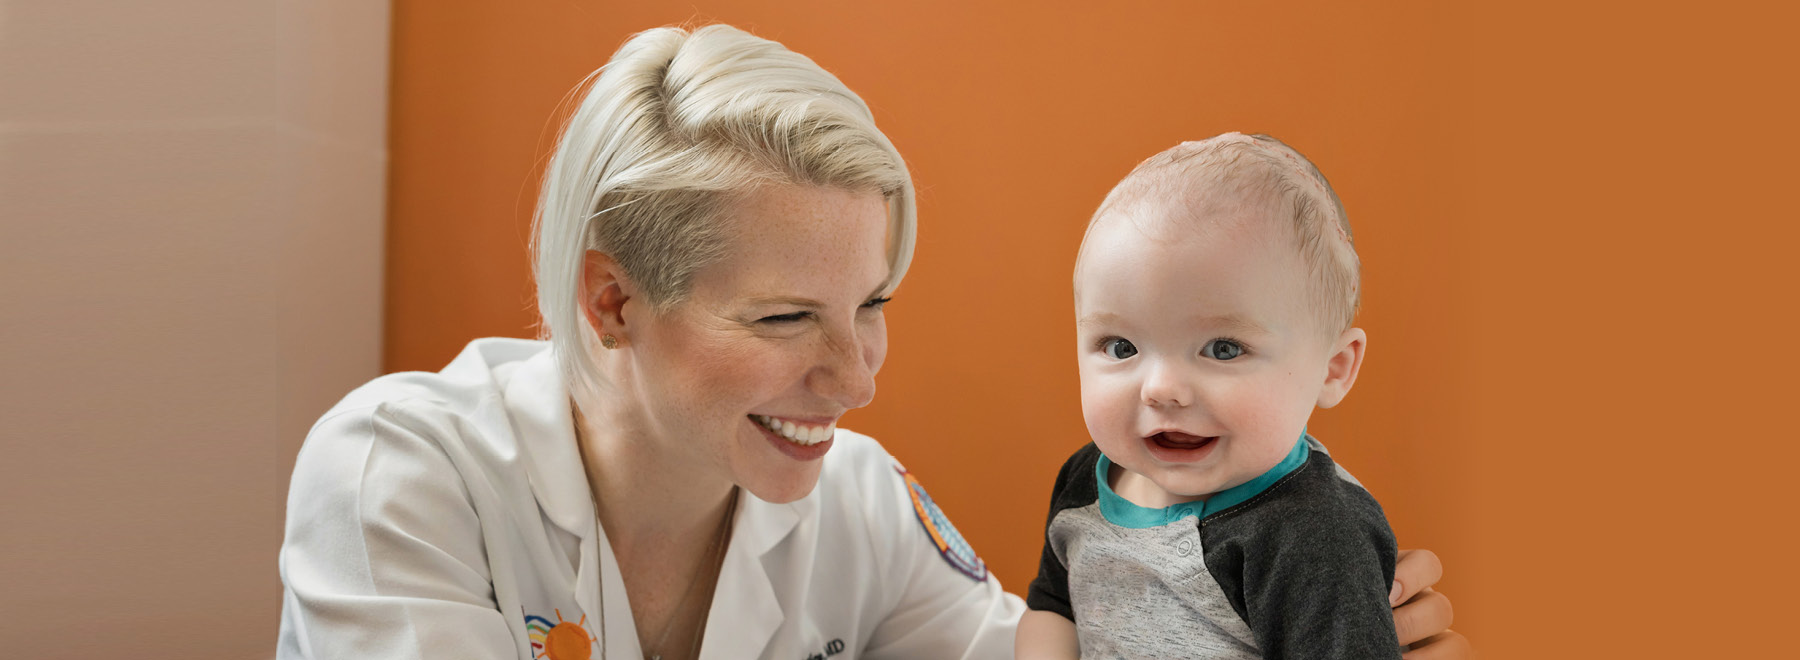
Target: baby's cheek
[1270,417]
[1246,413]
[1238,408]
[1105,404]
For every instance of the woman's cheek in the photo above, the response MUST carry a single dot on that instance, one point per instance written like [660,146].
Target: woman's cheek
[876,346]
[752,367]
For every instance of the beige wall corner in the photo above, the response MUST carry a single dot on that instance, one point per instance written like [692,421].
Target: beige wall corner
[191,223]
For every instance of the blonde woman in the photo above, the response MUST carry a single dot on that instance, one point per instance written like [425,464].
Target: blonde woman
[663,478]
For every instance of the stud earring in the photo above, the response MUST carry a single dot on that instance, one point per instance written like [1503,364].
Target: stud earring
[609,341]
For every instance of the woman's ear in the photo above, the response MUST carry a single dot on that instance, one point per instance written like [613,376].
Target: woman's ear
[604,292]
[1341,370]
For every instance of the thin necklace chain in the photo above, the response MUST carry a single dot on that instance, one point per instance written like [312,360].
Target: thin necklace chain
[715,559]
[718,561]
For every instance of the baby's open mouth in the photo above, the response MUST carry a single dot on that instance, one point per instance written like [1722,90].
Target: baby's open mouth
[1179,440]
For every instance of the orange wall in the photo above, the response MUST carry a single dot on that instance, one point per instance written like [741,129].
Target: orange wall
[1578,265]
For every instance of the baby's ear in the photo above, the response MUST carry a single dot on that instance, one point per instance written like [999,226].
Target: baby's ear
[1345,362]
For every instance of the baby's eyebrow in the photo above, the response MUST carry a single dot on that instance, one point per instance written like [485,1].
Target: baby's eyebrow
[1097,319]
[1231,323]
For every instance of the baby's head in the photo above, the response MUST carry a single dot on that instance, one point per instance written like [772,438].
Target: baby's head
[1214,296]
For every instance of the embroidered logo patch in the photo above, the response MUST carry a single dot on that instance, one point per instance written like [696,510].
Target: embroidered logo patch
[562,640]
[949,543]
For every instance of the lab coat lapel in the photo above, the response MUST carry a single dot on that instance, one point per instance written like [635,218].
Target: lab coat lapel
[745,611]
[546,427]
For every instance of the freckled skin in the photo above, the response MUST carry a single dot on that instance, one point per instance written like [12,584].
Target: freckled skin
[715,359]
[1166,290]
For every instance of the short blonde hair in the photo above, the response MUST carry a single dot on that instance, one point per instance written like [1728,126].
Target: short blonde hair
[1259,169]
[674,126]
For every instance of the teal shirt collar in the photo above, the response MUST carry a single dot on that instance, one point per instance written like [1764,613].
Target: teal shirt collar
[1120,511]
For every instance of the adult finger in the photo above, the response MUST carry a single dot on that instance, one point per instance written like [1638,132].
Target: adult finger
[1415,571]
[1427,614]
[1447,645]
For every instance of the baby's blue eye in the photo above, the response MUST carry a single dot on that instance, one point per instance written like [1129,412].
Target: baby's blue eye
[1222,349]
[1118,348]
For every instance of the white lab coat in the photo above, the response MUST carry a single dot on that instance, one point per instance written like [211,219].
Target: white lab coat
[446,515]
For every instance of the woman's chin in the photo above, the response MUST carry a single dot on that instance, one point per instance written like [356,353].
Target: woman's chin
[790,486]
[782,470]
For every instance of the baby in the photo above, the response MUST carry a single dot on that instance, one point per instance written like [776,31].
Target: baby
[1214,295]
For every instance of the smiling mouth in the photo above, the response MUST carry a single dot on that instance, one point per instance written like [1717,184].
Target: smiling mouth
[805,435]
[1179,440]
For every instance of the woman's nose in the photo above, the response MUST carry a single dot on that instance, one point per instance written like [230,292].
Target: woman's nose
[846,375]
[1164,386]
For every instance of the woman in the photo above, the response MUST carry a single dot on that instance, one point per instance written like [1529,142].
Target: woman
[719,228]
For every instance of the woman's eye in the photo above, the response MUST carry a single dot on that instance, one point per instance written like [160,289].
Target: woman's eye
[1222,349]
[1118,348]
[876,303]
[784,318]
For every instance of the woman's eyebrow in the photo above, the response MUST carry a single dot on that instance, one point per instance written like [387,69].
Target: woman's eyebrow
[801,302]
[785,300]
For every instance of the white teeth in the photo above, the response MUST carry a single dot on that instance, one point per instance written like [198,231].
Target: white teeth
[796,433]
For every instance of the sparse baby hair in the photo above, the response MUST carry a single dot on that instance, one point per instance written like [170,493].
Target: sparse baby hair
[1234,170]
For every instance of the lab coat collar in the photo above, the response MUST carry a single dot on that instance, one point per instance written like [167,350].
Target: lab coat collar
[746,612]
[760,525]
[539,399]
[546,426]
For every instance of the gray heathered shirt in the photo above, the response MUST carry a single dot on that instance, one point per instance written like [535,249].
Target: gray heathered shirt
[1294,564]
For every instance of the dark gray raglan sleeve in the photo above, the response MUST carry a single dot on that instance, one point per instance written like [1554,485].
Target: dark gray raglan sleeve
[1316,565]
[1075,487]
